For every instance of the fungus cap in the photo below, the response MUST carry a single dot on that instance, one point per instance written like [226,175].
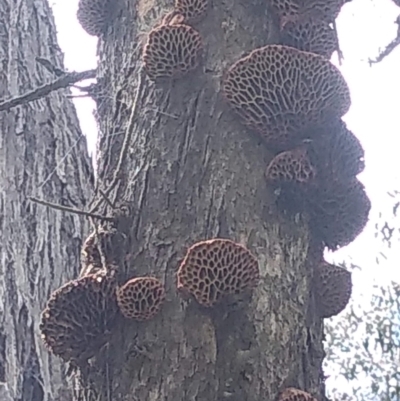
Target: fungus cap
[282,92]
[193,11]
[323,10]
[294,394]
[79,316]
[333,288]
[95,15]
[338,212]
[311,35]
[141,298]
[172,51]
[215,268]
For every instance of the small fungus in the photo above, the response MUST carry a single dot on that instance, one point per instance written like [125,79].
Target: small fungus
[215,268]
[333,287]
[338,212]
[141,298]
[294,394]
[193,11]
[282,92]
[95,15]
[79,317]
[311,35]
[172,50]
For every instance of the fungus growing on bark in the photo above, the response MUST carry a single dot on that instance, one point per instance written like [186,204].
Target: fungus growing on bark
[172,50]
[193,11]
[338,212]
[332,287]
[294,394]
[336,152]
[282,92]
[95,15]
[323,10]
[141,298]
[215,268]
[310,35]
[79,316]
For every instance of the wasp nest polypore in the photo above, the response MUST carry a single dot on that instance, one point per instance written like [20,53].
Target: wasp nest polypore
[141,298]
[215,268]
[95,15]
[294,394]
[193,11]
[172,50]
[282,92]
[333,287]
[79,316]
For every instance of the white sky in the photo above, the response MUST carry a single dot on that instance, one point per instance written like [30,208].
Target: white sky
[364,26]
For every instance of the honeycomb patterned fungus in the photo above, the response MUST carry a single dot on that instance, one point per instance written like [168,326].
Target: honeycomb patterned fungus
[95,15]
[141,298]
[79,316]
[294,394]
[282,92]
[312,36]
[215,268]
[193,11]
[338,212]
[172,51]
[333,287]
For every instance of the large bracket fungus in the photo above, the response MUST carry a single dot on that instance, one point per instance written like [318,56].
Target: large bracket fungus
[283,92]
[95,15]
[172,50]
[310,35]
[216,268]
[79,317]
[332,288]
[338,212]
[193,11]
[141,298]
[294,394]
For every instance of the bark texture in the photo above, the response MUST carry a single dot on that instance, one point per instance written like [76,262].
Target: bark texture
[42,154]
[193,172]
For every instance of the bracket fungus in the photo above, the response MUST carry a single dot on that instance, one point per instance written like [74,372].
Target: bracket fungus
[294,394]
[311,35]
[141,298]
[172,50]
[193,11]
[79,317]
[333,288]
[282,92]
[338,212]
[95,15]
[216,268]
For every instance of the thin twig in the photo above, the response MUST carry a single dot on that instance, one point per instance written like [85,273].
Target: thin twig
[125,144]
[70,209]
[107,199]
[42,91]
[339,50]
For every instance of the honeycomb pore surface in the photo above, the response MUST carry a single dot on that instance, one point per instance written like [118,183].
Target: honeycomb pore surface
[95,15]
[193,11]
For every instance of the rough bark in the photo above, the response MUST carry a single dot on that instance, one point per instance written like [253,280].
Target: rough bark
[42,154]
[193,172]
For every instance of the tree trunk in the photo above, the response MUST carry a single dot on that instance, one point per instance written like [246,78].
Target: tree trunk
[43,154]
[193,172]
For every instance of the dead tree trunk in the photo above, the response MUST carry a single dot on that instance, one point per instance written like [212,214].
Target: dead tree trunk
[193,172]
[44,155]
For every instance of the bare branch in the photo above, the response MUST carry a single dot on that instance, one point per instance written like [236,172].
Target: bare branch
[38,93]
[70,209]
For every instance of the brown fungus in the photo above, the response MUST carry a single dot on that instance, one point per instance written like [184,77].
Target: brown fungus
[95,15]
[338,212]
[141,298]
[283,92]
[193,11]
[172,50]
[294,394]
[79,316]
[311,35]
[332,288]
[215,268]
